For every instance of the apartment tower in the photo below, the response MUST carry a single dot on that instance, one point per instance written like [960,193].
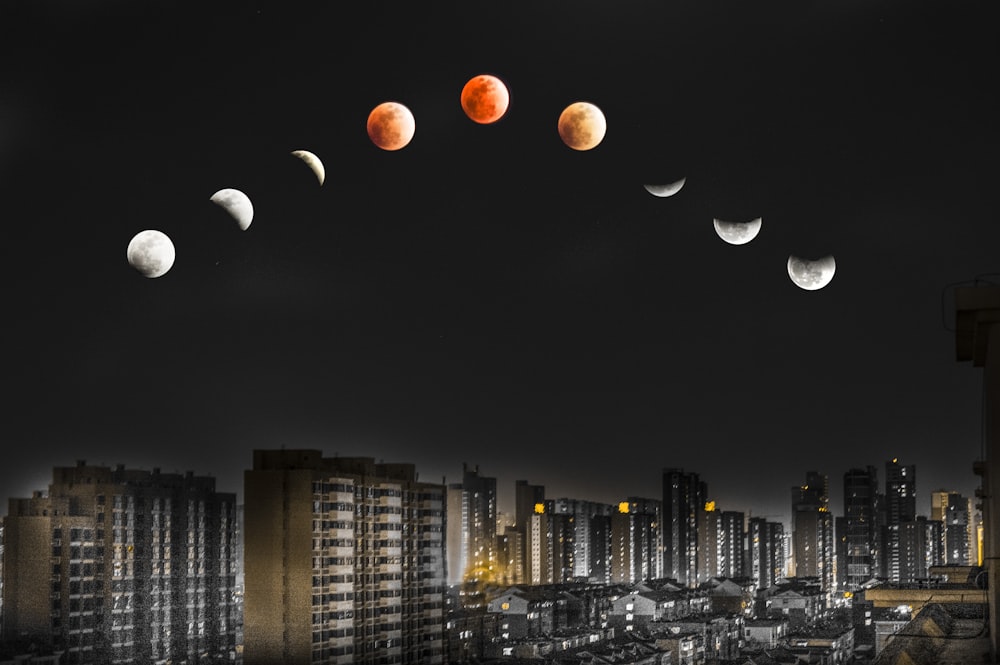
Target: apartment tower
[345,561]
[116,565]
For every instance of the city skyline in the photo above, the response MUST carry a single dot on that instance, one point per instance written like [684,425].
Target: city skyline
[486,294]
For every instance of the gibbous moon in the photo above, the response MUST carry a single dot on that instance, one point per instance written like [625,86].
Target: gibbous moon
[236,204]
[151,253]
[313,162]
[582,126]
[391,126]
[811,275]
[737,233]
[665,190]
[485,99]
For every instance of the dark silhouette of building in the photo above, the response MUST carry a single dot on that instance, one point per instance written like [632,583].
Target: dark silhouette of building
[472,527]
[900,508]
[861,527]
[684,496]
[123,566]
[812,531]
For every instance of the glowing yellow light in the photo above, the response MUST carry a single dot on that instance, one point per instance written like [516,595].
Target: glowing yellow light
[895,459]
[709,506]
[623,507]
[824,509]
[540,508]
[504,606]
[848,594]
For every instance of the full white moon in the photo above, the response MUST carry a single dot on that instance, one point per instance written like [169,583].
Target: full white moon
[151,253]
[665,190]
[236,204]
[811,275]
[738,233]
[313,162]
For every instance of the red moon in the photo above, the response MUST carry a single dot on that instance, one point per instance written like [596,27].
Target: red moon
[391,125]
[485,99]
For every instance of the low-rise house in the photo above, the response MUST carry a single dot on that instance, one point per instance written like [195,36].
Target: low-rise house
[523,613]
[800,603]
[765,633]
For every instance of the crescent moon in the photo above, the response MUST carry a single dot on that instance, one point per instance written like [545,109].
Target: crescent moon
[811,275]
[738,233]
[665,190]
[236,204]
[313,162]
[151,253]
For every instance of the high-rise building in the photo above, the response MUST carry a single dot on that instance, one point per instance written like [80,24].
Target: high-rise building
[954,511]
[920,547]
[538,568]
[861,527]
[510,553]
[767,551]
[472,527]
[812,531]
[527,499]
[123,566]
[732,547]
[635,541]
[710,541]
[345,561]
[900,508]
[580,514]
[684,496]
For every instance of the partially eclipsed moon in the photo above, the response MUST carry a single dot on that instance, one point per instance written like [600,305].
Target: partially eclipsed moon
[391,126]
[151,253]
[738,233]
[582,126]
[811,275]
[236,204]
[313,162]
[485,99]
[665,190]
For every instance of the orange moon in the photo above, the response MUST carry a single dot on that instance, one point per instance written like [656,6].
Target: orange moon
[485,99]
[391,126]
[582,126]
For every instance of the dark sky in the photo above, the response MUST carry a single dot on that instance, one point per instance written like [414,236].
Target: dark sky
[487,294]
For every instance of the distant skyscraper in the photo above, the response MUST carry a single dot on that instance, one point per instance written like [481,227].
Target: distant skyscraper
[527,498]
[812,531]
[472,527]
[767,551]
[580,514]
[954,511]
[862,534]
[539,558]
[732,547]
[635,538]
[344,561]
[920,547]
[123,566]
[684,496]
[710,541]
[900,508]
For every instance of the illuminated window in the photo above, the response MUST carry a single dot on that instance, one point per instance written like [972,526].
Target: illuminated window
[504,606]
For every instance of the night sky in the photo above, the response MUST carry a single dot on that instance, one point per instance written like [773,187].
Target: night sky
[486,294]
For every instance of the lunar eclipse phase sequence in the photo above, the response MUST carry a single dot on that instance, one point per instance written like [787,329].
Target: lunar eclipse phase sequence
[485,99]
